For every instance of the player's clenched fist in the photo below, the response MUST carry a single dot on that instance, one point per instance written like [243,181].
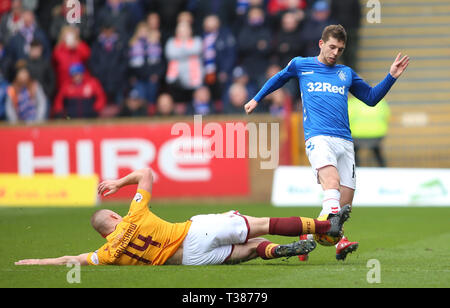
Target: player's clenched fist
[250,106]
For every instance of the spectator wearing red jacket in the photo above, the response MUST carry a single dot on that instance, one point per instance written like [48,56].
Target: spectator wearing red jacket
[81,97]
[276,6]
[5,6]
[69,50]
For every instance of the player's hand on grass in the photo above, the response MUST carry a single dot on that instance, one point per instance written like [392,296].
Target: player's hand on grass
[250,106]
[108,187]
[28,262]
[399,66]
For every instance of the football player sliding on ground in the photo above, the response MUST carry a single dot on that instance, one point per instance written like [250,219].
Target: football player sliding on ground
[142,238]
[324,87]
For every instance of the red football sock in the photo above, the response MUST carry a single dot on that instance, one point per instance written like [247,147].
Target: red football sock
[266,250]
[295,226]
[322,227]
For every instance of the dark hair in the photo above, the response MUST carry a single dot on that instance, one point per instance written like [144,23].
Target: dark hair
[35,42]
[336,31]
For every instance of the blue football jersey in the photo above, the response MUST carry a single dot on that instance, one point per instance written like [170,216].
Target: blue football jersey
[324,90]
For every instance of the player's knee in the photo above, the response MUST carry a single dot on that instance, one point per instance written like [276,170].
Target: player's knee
[258,226]
[248,250]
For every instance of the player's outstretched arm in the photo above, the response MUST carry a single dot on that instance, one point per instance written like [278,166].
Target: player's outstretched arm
[80,259]
[143,178]
[372,95]
[273,84]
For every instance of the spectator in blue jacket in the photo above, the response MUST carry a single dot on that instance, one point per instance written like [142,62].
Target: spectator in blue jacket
[225,10]
[288,40]
[3,96]
[122,15]
[108,63]
[135,104]
[254,43]
[19,45]
[41,69]
[146,66]
[5,61]
[219,55]
[319,18]
[239,76]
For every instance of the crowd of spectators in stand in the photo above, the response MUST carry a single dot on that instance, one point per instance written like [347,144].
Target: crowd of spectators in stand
[150,58]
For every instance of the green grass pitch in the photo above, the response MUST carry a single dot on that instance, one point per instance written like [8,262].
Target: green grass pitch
[411,244]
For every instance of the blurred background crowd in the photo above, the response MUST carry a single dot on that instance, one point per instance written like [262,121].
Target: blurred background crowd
[148,58]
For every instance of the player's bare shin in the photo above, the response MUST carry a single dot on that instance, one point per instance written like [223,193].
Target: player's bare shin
[245,252]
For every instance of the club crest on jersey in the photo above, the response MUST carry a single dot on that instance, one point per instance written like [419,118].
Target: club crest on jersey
[342,76]
[138,197]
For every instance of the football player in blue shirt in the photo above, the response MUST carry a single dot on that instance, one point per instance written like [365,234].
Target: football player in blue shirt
[324,87]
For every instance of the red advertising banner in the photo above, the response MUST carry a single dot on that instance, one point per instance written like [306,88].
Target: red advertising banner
[185,161]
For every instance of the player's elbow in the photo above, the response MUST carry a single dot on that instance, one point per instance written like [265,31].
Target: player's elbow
[146,179]
[147,174]
[372,102]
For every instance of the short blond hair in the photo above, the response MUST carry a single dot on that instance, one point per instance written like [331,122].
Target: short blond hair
[100,221]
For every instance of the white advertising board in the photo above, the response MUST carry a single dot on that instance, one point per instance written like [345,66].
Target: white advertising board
[297,186]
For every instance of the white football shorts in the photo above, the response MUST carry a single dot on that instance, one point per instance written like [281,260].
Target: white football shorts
[327,150]
[211,237]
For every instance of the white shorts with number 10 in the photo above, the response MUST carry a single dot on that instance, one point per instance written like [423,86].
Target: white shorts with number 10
[327,150]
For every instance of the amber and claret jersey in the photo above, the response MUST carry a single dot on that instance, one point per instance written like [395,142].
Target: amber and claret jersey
[141,238]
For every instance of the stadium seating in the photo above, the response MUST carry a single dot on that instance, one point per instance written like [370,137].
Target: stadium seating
[419,134]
